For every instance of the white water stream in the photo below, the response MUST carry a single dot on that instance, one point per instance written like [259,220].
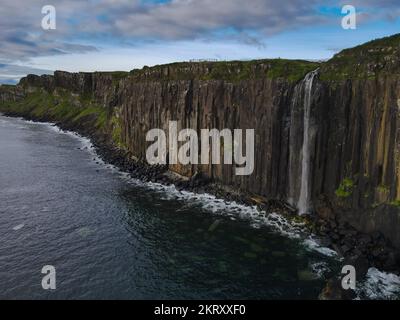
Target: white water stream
[304,199]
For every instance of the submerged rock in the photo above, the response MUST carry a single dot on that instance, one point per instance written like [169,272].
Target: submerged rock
[334,291]
[306,275]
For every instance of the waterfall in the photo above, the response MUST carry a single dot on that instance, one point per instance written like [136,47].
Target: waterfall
[304,199]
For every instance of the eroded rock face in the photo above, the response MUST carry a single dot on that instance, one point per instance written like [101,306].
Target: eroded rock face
[354,149]
[353,123]
[263,105]
[11,94]
[357,152]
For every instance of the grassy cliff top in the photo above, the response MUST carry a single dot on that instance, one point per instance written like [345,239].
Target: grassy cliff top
[292,70]
[233,71]
[6,87]
[366,61]
[377,57]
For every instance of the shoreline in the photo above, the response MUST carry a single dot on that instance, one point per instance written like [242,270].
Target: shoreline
[330,233]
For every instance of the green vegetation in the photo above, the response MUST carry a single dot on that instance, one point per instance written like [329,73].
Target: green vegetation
[233,71]
[395,203]
[383,189]
[377,57]
[292,70]
[345,189]
[375,205]
[116,75]
[59,106]
[96,112]
[117,132]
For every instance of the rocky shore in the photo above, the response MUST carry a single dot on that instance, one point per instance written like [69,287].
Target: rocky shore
[358,249]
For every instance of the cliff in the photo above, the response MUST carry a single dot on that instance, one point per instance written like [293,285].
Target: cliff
[353,122]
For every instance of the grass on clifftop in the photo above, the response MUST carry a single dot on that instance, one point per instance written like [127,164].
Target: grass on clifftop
[365,61]
[72,110]
[116,75]
[233,71]
[57,107]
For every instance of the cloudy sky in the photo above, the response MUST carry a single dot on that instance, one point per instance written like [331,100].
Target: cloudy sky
[125,34]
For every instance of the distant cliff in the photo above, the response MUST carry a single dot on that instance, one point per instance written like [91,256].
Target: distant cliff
[354,123]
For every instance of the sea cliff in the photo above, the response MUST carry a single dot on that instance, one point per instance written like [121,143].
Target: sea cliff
[352,126]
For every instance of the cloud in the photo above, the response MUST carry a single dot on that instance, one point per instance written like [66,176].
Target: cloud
[11,74]
[87,26]
[81,25]
[187,19]
[371,10]
[22,37]
[21,48]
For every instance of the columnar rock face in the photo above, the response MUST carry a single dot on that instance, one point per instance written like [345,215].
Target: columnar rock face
[354,136]
[263,105]
[11,94]
[357,152]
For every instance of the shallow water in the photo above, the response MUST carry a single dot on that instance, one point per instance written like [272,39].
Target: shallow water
[109,236]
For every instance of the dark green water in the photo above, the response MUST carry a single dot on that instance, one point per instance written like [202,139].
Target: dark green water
[112,237]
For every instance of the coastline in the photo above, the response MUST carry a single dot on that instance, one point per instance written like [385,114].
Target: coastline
[325,242]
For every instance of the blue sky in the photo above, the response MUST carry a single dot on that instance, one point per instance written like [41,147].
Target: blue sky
[96,35]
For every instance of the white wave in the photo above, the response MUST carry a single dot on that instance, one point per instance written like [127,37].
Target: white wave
[18,227]
[86,143]
[219,206]
[320,268]
[380,285]
[312,244]
[285,227]
[36,123]
[232,209]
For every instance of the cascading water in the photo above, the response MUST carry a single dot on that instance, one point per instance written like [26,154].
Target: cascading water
[303,204]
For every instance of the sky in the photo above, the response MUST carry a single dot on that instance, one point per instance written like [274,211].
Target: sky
[107,35]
